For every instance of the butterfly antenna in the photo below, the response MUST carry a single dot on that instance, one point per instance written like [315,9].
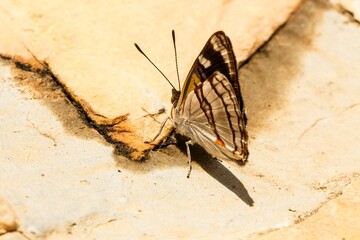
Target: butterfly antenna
[139,49]
[176,61]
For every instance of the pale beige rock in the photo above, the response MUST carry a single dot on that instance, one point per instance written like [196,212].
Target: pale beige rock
[337,219]
[352,6]
[89,48]
[8,219]
[13,236]
[301,92]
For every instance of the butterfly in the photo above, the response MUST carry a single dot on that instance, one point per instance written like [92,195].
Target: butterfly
[209,109]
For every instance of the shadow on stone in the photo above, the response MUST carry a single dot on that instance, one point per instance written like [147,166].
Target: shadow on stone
[42,86]
[267,75]
[216,170]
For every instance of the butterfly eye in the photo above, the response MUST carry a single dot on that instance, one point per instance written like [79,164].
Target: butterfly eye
[175,96]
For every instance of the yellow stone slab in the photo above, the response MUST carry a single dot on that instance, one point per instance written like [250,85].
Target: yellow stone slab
[89,49]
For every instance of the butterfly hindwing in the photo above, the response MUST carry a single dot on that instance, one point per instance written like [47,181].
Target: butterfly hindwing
[214,118]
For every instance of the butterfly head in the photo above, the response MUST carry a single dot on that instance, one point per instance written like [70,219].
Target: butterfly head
[175,97]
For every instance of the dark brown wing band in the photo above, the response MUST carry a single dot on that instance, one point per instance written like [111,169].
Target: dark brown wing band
[217,55]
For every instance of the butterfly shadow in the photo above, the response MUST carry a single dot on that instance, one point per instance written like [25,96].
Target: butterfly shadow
[217,170]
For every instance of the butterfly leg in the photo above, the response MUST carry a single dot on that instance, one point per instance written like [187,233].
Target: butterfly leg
[160,130]
[188,143]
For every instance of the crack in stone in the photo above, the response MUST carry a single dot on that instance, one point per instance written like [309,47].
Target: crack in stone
[101,127]
[347,13]
[43,64]
[23,234]
[101,224]
[309,128]
[323,118]
[349,107]
[302,217]
[47,135]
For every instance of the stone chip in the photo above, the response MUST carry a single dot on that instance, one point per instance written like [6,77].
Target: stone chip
[8,219]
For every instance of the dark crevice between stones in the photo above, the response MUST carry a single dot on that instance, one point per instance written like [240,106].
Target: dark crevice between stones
[120,148]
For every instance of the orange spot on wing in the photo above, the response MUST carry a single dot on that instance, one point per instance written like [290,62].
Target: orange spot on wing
[220,142]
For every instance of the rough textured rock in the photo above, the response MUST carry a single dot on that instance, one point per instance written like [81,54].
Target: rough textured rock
[8,220]
[89,47]
[337,219]
[65,181]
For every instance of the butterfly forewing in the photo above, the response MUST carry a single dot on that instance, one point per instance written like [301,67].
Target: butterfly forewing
[217,55]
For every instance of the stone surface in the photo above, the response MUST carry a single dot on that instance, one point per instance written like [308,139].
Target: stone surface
[13,236]
[337,219]
[90,49]
[8,221]
[64,181]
